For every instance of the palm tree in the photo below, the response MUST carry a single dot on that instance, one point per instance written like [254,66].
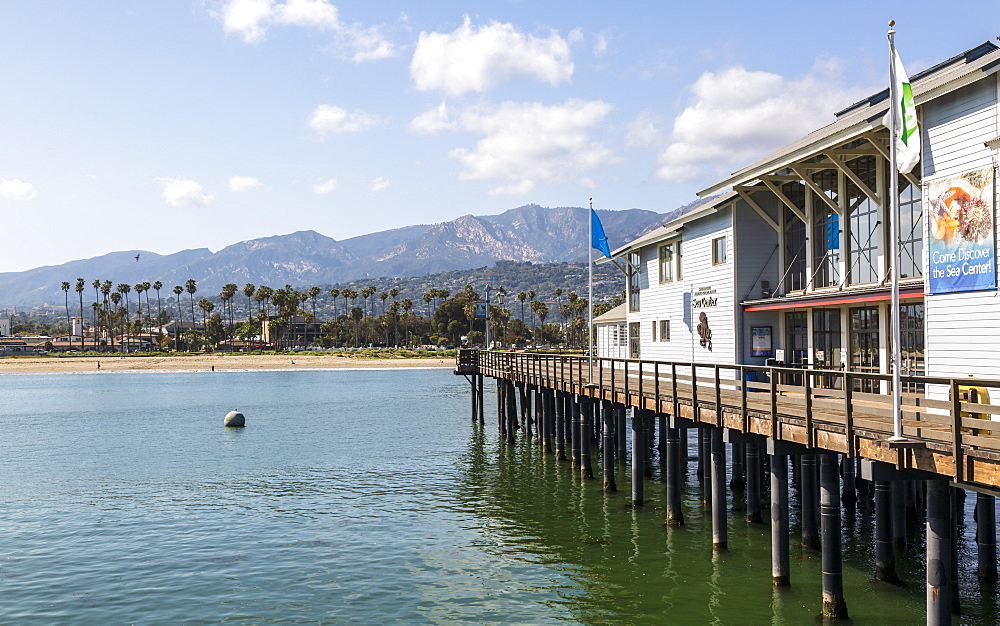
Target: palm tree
[366,293]
[105,290]
[207,307]
[191,287]
[313,292]
[124,289]
[522,297]
[356,315]
[97,298]
[115,317]
[178,290]
[334,293]
[159,308]
[80,286]
[248,291]
[427,297]
[407,304]
[139,288]
[65,288]
[383,297]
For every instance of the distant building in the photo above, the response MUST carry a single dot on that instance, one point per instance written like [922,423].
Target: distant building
[5,326]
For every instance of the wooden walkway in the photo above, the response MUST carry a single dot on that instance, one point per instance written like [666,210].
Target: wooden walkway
[952,428]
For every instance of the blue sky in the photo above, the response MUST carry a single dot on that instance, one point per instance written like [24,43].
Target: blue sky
[164,125]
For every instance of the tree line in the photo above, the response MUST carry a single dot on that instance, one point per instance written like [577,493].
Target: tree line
[284,317]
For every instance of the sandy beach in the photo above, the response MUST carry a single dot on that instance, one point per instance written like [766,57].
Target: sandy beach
[221,362]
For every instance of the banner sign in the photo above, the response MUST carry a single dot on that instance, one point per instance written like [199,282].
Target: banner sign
[962,236]
[480,310]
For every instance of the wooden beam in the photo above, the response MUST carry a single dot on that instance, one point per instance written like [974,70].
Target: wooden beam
[876,142]
[817,190]
[784,200]
[840,165]
[756,207]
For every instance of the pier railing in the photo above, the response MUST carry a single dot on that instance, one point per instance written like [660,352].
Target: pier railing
[950,425]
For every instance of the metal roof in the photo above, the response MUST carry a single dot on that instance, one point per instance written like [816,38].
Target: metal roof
[614,316]
[867,114]
[674,226]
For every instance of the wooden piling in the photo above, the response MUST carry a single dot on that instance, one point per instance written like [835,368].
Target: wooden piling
[939,549]
[737,482]
[560,410]
[834,604]
[511,414]
[898,512]
[808,492]
[586,428]
[752,450]
[608,459]
[672,467]
[986,537]
[638,451]
[885,552]
[720,535]
[576,425]
[704,465]
[621,433]
[850,492]
[780,563]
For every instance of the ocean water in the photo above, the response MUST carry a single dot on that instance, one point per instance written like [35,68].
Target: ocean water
[361,496]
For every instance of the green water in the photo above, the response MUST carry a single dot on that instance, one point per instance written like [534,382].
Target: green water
[362,496]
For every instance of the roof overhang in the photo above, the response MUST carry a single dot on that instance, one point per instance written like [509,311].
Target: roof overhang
[993,144]
[831,300]
[674,228]
[866,116]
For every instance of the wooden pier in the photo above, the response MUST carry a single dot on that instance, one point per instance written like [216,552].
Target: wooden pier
[821,419]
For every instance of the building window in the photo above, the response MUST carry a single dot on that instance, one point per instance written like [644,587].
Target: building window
[718,251]
[633,282]
[667,262]
[794,238]
[621,335]
[911,230]
[826,233]
[654,331]
[664,330]
[863,224]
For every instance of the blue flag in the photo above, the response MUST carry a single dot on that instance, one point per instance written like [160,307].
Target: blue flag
[598,239]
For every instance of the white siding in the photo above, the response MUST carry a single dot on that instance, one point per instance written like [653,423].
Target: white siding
[962,329]
[956,125]
[673,300]
[756,249]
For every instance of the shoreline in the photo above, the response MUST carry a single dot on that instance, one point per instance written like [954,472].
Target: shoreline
[220,362]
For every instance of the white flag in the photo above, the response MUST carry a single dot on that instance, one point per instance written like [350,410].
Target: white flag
[902,107]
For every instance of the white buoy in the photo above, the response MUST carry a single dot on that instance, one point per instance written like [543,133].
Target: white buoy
[234,419]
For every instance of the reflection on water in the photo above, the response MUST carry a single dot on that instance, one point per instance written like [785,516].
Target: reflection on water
[360,496]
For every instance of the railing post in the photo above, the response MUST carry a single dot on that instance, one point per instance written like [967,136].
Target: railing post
[743,399]
[956,432]
[849,413]
[639,387]
[656,385]
[694,392]
[718,397]
[807,382]
[673,391]
[774,404]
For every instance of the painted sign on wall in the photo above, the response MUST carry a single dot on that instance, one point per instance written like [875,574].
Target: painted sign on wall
[962,236]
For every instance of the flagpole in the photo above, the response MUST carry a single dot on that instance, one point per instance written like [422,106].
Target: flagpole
[590,297]
[894,112]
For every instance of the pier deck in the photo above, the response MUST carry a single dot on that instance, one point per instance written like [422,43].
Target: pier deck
[951,427]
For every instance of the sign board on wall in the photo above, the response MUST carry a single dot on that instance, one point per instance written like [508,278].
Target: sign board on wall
[961,255]
[760,341]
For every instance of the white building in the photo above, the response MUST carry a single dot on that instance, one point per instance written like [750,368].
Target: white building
[792,260]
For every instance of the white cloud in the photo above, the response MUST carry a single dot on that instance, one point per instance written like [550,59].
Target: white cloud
[327,118]
[184,192]
[478,59]
[739,116]
[16,189]
[243,183]
[251,19]
[380,184]
[644,131]
[325,186]
[525,144]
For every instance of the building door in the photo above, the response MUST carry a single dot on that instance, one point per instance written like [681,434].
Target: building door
[826,345]
[911,343]
[864,347]
[633,340]
[796,344]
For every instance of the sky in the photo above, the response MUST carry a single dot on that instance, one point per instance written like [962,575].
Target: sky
[165,125]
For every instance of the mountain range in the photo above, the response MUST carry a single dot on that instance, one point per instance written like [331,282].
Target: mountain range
[306,258]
